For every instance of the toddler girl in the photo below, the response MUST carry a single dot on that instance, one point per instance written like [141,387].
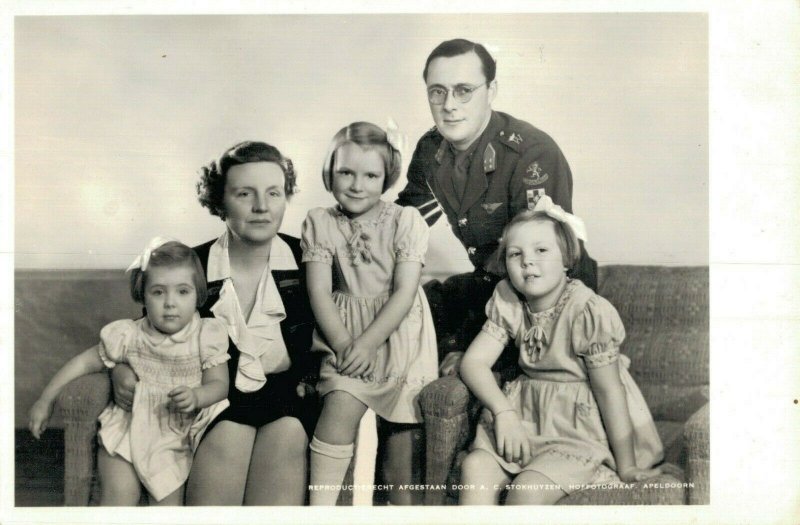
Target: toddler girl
[183,382]
[376,328]
[575,416]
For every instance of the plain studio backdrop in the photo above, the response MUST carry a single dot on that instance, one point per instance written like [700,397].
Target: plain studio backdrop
[115,114]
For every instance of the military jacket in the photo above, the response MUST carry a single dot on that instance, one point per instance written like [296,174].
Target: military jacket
[513,164]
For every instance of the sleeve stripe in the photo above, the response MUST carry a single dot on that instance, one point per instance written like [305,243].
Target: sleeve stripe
[426,207]
[433,216]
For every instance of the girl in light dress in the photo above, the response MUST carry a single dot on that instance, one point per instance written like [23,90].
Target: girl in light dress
[574,417]
[363,260]
[180,360]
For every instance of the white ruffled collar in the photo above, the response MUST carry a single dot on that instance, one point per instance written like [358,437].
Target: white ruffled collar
[258,338]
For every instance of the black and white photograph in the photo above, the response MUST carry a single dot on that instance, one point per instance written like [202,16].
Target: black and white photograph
[366,258]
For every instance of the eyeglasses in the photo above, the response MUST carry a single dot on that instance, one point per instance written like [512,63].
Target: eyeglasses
[461,92]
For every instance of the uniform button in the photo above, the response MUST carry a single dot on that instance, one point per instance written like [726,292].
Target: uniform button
[471,250]
[462,222]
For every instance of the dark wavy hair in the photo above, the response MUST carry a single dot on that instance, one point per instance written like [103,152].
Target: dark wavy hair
[365,134]
[566,239]
[211,186]
[170,255]
[460,46]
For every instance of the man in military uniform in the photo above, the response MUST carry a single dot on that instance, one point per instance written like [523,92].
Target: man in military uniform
[479,168]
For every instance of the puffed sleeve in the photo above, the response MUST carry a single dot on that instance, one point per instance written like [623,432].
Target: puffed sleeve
[411,236]
[115,340]
[597,333]
[316,247]
[503,313]
[213,342]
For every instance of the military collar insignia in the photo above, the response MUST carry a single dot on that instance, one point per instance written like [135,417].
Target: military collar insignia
[489,158]
[534,175]
[440,153]
[516,138]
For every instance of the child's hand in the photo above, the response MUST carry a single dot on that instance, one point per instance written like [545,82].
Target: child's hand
[38,417]
[512,441]
[450,364]
[634,474]
[358,361]
[183,399]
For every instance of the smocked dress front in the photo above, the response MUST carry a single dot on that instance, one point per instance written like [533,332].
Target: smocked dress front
[553,397]
[159,442]
[363,254]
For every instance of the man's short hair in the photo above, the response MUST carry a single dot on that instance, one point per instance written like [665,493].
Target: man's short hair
[460,46]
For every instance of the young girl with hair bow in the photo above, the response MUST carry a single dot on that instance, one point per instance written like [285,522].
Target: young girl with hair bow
[363,260]
[179,358]
[574,417]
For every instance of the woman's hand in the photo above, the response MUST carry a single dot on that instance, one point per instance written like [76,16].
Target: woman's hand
[124,380]
[183,399]
[358,360]
[38,417]
[634,474]
[450,364]
[512,441]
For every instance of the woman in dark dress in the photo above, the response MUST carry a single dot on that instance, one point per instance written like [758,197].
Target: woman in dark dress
[254,453]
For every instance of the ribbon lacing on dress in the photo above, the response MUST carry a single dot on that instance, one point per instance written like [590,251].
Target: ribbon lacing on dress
[535,338]
[358,245]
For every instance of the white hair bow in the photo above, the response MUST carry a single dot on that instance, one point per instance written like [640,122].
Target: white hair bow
[546,205]
[143,258]
[395,138]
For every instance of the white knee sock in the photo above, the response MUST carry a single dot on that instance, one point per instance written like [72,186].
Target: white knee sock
[328,466]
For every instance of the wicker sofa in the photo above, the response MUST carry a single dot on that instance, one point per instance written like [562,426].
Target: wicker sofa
[665,312]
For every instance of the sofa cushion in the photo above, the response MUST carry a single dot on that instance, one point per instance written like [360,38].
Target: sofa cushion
[665,313]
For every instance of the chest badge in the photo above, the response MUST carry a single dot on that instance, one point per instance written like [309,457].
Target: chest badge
[533,197]
[490,207]
[534,175]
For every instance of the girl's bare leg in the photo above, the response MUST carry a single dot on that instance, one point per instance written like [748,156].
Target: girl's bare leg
[403,463]
[119,483]
[483,479]
[221,464]
[546,494]
[332,446]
